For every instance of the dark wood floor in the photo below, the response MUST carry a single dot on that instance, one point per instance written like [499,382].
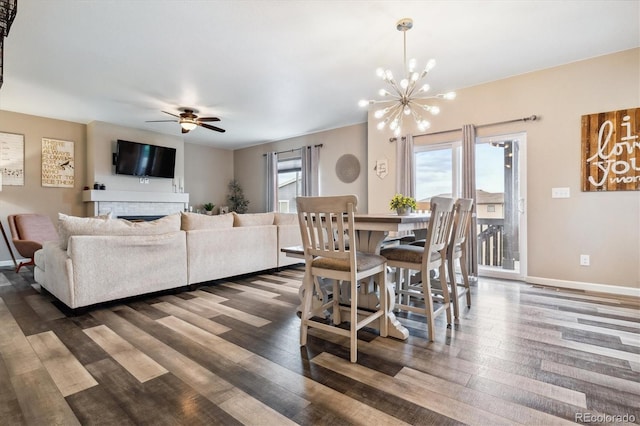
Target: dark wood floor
[228,353]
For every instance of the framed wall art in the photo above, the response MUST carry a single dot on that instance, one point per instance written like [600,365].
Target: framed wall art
[12,159]
[58,166]
[611,151]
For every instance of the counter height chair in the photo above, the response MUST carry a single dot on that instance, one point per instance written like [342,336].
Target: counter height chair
[424,259]
[329,253]
[28,232]
[457,251]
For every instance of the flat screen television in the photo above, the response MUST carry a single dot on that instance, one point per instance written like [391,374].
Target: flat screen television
[140,159]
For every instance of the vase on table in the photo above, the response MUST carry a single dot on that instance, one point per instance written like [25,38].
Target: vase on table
[403,211]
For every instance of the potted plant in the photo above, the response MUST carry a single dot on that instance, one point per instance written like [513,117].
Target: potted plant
[208,207]
[402,205]
[237,202]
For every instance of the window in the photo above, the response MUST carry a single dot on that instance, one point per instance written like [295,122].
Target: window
[289,183]
[437,170]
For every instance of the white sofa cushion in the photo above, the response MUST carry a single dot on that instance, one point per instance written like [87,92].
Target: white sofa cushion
[252,219]
[285,219]
[72,225]
[193,221]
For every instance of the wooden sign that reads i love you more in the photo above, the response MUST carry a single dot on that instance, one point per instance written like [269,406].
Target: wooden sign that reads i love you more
[611,151]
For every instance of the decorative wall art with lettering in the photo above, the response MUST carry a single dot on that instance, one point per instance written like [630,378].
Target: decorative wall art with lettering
[611,151]
[12,159]
[58,167]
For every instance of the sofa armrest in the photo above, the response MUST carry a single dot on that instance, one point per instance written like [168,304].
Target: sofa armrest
[58,273]
[288,236]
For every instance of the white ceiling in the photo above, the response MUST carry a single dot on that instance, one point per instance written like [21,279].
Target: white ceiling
[277,69]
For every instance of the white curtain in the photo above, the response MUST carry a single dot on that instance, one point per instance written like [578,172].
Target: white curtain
[469,190]
[310,176]
[405,176]
[272,181]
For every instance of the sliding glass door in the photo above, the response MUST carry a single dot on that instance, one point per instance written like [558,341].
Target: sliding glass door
[500,195]
[500,192]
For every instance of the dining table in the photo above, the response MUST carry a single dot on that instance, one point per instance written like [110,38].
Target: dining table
[373,230]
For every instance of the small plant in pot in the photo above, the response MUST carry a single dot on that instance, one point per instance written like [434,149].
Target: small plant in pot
[402,205]
[208,208]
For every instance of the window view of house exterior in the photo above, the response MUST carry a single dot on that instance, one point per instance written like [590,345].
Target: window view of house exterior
[289,183]
[439,173]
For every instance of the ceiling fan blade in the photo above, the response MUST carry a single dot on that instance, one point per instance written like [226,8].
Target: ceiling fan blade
[161,121]
[170,113]
[208,119]
[207,126]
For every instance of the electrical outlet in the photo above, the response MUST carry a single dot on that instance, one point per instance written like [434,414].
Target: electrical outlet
[584,260]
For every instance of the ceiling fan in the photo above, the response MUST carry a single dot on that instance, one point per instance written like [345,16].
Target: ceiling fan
[189,120]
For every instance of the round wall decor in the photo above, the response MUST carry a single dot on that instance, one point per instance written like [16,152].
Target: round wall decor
[348,168]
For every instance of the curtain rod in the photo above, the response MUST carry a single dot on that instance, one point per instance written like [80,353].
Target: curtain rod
[294,149]
[525,119]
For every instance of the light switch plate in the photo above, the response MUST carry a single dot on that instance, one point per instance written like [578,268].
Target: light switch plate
[560,192]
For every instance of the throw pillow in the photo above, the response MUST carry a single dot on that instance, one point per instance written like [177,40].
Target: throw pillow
[285,219]
[72,225]
[252,219]
[193,221]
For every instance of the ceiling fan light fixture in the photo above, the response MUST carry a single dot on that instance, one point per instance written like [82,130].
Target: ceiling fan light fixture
[188,124]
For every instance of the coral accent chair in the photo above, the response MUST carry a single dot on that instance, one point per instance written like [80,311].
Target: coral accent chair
[28,232]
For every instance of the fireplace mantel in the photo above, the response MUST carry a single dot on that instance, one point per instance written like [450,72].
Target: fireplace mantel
[120,203]
[135,196]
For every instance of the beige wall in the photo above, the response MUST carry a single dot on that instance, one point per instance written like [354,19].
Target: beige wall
[250,164]
[205,179]
[101,144]
[33,197]
[207,174]
[604,225]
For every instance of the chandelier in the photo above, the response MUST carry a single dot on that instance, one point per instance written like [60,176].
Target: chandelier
[8,10]
[407,97]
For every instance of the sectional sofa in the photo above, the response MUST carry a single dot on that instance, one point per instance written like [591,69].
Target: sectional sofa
[100,259]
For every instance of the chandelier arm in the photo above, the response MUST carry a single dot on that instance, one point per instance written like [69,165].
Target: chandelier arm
[397,89]
[394,111]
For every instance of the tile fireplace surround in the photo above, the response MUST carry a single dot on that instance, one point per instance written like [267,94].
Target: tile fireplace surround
[134,203]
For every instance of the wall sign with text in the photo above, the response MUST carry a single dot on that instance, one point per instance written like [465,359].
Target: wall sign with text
[57,163]
[611,151]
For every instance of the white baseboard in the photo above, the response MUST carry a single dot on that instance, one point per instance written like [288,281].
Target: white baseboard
[4,263]
[577,285]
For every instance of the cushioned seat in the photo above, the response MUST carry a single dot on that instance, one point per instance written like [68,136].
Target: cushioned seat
[29,232]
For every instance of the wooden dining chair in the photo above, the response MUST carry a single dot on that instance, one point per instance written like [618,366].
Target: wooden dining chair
[424,259]
[326,224]
[457,251]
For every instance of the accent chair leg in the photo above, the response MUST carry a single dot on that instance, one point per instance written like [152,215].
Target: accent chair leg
[21,264]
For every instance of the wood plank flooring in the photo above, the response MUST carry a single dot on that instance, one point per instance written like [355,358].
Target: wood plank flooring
[228,353]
